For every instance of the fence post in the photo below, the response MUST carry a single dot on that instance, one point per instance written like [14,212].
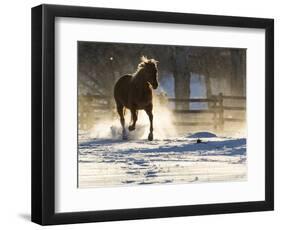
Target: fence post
[221,112]
[214,108]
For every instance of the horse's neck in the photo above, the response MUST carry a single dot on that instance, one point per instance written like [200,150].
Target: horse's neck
[139,88]
[139,80]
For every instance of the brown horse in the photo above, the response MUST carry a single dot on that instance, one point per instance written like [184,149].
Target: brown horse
[134,92]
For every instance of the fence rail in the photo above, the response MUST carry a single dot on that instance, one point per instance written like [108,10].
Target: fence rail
[192,111]
[192,99]
[234,97]
[233,108]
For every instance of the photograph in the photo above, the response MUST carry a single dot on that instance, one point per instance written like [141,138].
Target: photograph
[154,114]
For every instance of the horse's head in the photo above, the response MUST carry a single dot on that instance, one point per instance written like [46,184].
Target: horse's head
[150,71]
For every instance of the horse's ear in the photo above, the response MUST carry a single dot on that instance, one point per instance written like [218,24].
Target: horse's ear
[144,59]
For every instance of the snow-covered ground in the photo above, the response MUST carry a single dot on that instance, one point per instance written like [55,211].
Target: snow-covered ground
[107,162]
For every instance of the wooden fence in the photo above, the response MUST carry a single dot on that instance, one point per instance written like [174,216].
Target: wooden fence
[96,107]
[216,110]
[93,108]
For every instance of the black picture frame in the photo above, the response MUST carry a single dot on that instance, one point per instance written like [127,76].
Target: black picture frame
[43,114]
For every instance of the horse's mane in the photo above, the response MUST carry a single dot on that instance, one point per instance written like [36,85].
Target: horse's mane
[144,61]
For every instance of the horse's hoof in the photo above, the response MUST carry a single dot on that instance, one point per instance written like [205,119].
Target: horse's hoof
[150,137]
[131,128]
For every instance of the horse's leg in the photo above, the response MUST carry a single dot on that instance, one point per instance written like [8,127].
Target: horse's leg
[120,110]
[134,118]
[148,110]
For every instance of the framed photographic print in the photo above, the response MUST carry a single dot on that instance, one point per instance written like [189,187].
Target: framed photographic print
[142,114]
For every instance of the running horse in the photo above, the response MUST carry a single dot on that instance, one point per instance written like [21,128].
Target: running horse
[134,92]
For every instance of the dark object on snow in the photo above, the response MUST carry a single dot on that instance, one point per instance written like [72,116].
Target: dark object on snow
[202,135]
[198,141]
[134,92]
